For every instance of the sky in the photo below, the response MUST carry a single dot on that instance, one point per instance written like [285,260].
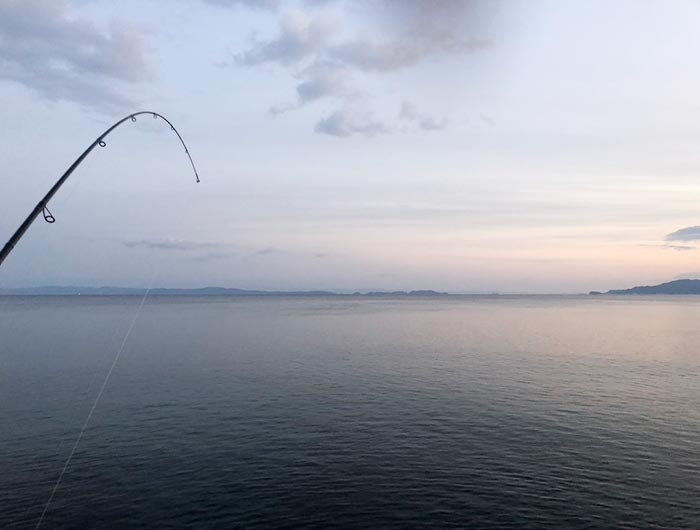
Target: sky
[469,146]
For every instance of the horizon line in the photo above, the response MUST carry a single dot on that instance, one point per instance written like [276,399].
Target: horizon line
[112,290]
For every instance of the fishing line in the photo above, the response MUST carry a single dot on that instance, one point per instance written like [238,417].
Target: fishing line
[73,417]
[95,403]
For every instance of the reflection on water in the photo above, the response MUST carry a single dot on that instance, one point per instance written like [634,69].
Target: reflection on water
[352,412]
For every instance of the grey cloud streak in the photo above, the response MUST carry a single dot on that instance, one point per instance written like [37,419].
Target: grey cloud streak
[214,256]
[264,4]
[64,58]
[255,4]
[267,251]
[679,248]
[691,233]
[171,244]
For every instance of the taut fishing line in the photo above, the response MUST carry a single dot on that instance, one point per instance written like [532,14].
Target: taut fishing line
[74,416]
[95,403]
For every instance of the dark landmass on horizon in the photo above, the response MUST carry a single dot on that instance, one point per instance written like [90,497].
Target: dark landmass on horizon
[674,287]
[202,291]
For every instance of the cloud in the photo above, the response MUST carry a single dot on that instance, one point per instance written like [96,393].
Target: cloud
[254,4]
[417,31]
[264,4]
[214,256]
[61,57]
[323,81]
[343,124]
[426,122]
[488,120]
[691,233]
[267,251]
[299,37]
[679,248]
[317,82]
[435,18]
[391,35]
[275,251]
[390,55]
[171,244]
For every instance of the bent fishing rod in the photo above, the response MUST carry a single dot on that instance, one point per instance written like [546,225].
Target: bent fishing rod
[42,205]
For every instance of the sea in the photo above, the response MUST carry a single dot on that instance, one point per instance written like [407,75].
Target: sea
[350,412]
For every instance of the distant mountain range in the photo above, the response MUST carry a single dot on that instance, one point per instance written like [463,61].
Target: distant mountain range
[203,291]
[674,287]
[678,287]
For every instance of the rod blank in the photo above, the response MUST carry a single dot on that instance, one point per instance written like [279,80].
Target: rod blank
[41,206]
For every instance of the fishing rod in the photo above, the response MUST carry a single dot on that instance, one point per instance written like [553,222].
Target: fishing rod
[42,205]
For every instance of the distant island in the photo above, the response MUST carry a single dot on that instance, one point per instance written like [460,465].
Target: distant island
[674,287]
[202,291]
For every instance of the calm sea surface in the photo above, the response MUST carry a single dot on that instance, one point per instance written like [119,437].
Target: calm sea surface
[491,412]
